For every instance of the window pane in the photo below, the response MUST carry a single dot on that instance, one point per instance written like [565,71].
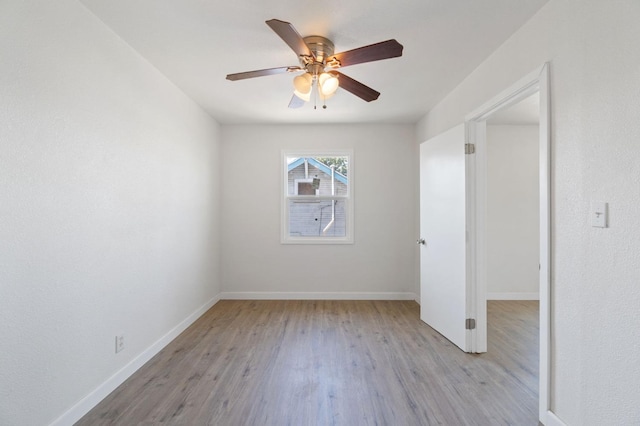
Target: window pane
[317,205]
[317,218]
[318,175]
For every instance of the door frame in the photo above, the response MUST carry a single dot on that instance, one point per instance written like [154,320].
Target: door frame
[475,124]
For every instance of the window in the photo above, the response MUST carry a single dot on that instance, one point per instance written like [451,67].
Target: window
[317,205]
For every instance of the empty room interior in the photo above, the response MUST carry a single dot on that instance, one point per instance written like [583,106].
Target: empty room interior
[319,213]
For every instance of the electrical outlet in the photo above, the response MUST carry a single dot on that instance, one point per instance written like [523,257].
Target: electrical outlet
[119,343]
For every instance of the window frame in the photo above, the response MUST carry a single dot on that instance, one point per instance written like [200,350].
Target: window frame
[285,237]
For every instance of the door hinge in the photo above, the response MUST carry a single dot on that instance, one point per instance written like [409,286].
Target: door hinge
[470,324]
[469,148]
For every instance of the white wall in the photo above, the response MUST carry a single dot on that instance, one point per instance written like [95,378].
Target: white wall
[108,207]
[513,225]
[595,87]
[384,256]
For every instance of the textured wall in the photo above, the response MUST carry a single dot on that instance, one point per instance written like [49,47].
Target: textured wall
[595,87]
[383,258]
[108,207]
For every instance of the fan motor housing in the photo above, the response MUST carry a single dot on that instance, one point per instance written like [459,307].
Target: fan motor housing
[321,47]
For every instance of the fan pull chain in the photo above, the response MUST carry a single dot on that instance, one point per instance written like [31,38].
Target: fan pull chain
[315,96]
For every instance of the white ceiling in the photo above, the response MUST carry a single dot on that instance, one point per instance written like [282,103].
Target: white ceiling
[196,43]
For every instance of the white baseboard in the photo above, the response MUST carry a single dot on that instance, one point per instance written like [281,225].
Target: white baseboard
[284,295]
[76,412]
[513,296]
[552,420]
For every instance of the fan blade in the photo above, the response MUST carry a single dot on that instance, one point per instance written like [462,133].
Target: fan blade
[260,73]
[296,102]
[360,90]
[288,33]
[373,52]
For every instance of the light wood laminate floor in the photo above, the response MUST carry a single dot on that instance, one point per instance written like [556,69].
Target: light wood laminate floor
[332,363]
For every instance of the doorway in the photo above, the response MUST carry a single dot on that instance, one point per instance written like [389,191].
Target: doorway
[536,82]
[512,249]
[453,192]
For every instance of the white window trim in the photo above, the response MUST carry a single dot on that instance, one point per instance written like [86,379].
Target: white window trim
[285,238]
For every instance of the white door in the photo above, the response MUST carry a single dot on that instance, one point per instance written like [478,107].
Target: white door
[443,277]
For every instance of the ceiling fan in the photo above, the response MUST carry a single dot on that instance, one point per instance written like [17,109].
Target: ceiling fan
[315,54]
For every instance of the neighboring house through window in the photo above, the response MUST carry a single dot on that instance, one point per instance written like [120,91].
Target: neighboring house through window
[317,197]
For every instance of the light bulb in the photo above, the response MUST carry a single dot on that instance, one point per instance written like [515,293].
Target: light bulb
[322,95]
[327,84]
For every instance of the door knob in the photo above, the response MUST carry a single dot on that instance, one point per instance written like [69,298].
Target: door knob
[421,241]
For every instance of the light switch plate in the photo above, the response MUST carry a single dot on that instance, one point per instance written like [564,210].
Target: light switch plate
[599,214]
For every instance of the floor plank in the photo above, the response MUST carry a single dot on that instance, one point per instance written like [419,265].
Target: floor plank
[332,363]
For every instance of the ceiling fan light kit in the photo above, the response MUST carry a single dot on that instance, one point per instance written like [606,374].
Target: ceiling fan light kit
[326,83]
[316,54]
